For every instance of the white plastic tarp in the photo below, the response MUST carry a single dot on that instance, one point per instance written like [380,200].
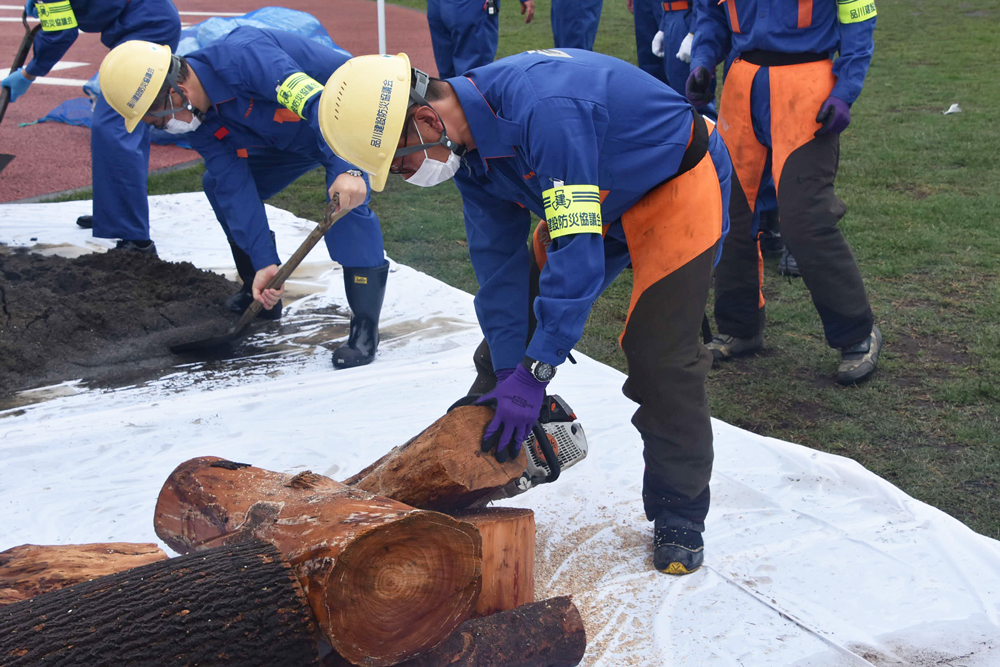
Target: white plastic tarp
[811,559]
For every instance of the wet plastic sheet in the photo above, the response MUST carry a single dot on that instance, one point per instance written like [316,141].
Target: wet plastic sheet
[811,560]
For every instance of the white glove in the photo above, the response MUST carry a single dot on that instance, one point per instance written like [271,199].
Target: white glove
[657,45]
[684,53]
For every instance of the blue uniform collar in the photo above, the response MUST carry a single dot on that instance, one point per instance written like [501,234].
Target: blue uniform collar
[494,136]
[218,91]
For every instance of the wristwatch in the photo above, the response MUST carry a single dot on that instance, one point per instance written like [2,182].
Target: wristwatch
[540,370]
[355,172]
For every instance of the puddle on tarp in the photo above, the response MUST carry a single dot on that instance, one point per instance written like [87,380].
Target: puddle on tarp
[273,348]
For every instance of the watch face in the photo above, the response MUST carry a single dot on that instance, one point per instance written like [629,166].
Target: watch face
[544,372]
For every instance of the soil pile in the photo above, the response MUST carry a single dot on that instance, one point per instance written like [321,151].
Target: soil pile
[101,315]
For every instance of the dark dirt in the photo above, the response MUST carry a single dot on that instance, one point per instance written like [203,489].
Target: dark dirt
[101,316]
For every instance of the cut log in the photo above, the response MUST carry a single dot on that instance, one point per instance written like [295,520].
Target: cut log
[442,468]
[508,556]
[8,595]
[32,569]
[230,606]
[549,633]
[384,580]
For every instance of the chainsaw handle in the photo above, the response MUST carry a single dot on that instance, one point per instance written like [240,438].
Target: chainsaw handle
[542,439]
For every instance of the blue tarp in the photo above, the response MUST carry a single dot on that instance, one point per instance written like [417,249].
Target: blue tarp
[79,111]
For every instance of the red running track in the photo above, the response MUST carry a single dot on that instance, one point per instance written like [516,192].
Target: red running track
[52,157]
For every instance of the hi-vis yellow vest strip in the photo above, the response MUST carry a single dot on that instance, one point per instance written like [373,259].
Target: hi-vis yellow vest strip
[56,16]
[296,91]
[855,11]
[572,209]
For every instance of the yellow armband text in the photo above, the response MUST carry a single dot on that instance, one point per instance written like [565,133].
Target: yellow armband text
[296,90]
[855,11]
[56,16]
[573,209]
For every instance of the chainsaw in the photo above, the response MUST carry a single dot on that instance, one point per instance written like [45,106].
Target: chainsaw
[557,442]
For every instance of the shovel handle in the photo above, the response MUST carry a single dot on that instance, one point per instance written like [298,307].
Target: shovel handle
[293,262]
[22,55]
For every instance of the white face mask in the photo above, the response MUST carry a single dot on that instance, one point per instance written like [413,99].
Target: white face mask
[433,172]
[175,126]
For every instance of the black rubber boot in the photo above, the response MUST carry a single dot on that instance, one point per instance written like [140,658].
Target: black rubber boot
[240,301]
[365,290]
[85,221]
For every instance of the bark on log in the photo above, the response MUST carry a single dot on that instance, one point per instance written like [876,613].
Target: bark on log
[230,606]
[508,556]
[31,569]
[384,580]
[549,633]
[442,468]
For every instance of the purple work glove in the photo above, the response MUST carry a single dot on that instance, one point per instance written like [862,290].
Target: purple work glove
[517,400]
[834,116]
[700,88]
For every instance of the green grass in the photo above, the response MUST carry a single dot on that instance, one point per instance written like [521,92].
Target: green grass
[923,201]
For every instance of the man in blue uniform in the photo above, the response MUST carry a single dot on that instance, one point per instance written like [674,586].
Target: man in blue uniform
[783,107]
[622,170]
[647,15]
[120,160]
[465,33]
[574,23]
[248,103]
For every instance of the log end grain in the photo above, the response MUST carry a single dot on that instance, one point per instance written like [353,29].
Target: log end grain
[414,581]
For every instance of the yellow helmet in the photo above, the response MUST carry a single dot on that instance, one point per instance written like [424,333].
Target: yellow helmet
[362,110]
[131,77]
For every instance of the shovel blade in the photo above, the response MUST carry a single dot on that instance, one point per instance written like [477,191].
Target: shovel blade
[205,344]
[5,159]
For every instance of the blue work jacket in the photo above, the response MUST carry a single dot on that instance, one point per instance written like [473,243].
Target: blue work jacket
[790,26]
[539,120]
[155,20]
[241,74]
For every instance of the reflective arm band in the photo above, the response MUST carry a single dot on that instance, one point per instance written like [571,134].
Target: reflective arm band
[296,91]
[573,209]
[855,11]
[56,16]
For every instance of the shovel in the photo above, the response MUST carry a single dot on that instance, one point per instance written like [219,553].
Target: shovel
[277,281]
[22,55]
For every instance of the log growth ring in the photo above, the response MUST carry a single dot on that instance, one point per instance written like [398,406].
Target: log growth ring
[404,579]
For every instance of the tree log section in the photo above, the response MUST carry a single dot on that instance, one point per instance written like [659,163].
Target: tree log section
[32,569]
[549,633]
[508,556]
[230,606]
[384,580]
[442,468]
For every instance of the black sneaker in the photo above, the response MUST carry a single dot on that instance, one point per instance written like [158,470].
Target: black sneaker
[85,221]
[787,266]
[859,362]
[143,247]
[239,302]
[677,550]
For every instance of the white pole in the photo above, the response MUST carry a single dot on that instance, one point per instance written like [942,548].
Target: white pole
[381,26]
